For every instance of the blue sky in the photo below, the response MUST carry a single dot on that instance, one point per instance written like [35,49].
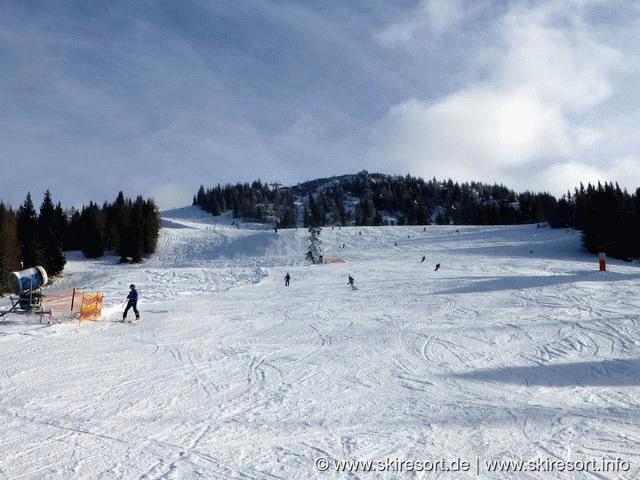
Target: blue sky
[158,97]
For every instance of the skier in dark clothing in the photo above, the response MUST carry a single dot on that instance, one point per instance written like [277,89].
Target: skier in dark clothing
[351,282]
[132,302]
[437,267]
[423,259]
[287,277]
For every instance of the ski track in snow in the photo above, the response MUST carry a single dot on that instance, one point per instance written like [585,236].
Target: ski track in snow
[516,349]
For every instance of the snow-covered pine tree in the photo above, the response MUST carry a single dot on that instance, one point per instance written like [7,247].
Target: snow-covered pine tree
[314,254]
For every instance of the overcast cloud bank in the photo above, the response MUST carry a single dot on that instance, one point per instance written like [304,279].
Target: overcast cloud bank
[161,97]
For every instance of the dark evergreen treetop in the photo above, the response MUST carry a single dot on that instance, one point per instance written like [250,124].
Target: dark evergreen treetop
[27,230]
[608,217]
[376,199]
[51,237]
[27,239]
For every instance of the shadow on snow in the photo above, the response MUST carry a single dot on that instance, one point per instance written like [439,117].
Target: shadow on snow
[603,373]
[520,282]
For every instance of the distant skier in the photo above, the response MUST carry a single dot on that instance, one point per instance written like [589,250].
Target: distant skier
[437,267]
[352,283]
[132,302]
[423,259]
[287,277]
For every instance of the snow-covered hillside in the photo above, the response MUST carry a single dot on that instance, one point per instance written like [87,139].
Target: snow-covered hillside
[516,349]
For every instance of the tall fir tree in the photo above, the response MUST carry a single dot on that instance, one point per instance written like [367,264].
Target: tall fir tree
[9,246]
[27,228]
[73,232]
[51,237]
[150,226]
[93,231]
[136,232]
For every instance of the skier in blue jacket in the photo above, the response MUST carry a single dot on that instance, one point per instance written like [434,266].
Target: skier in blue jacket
[132,302]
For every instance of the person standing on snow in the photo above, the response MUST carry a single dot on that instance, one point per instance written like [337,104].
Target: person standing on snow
[132,302]
[352,282]
[287,277]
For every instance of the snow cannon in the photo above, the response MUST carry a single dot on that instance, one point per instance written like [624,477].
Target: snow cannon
[27,280]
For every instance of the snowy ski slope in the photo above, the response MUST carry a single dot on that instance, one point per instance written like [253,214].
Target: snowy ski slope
[516,349]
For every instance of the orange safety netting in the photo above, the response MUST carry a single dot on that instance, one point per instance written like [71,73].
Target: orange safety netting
[91,306]
[62,304]
[73,304]
[334,260]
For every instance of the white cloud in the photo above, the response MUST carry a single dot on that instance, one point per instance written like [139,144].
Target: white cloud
[444,14]
[431,19]
[565,177]
[478,130]
[171,195]
[556,54]
[623,170]
[552,70]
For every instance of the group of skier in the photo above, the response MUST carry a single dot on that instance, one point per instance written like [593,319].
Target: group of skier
[132,297]
[351,281]
[437,264]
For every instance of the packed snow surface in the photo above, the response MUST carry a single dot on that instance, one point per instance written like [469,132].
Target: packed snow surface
[516,349]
